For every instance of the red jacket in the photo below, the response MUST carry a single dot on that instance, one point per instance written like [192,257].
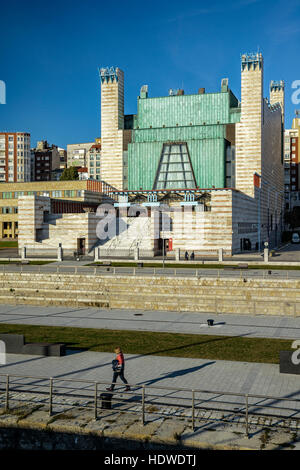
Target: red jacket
[120,359]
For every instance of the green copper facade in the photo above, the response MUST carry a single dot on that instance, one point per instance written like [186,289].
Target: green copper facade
[204,122]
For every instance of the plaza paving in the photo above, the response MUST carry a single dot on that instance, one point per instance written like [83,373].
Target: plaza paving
[161,371]
[284,327]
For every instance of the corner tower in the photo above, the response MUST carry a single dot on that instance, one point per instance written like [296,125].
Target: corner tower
[112,125]
[277,95]
[249,129]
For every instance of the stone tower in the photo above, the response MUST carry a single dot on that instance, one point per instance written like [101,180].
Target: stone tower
[277,94]
[112,125]
[249,129]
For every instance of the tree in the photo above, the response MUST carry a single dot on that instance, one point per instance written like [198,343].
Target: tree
[69,174]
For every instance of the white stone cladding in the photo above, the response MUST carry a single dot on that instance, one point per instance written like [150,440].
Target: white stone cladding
[249,129]
[41,233]
[112,124]
[259,147]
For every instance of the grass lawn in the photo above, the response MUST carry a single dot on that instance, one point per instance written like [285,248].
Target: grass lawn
[195,266]
[230,348]
[8,244]
[18,263]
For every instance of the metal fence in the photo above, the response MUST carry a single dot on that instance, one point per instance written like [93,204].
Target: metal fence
[141,269]
[151,401]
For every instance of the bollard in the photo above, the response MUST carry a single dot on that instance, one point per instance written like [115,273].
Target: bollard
[59,253]
[96,254]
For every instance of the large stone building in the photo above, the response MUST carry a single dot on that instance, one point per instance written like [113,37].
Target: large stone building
[207,152]
[199,172]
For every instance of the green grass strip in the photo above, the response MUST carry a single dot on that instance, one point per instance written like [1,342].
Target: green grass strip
[229,348]
[197,266]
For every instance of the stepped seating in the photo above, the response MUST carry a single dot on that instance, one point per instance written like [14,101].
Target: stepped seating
[153,293]
[15,344]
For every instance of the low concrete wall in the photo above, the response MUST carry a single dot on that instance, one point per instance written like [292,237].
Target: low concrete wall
[211,295]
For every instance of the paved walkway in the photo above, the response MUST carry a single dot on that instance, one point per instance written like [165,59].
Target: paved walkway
[194,323]
[215,378]
[161,371]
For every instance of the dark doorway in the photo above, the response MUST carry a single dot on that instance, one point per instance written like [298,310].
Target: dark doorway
[81,246]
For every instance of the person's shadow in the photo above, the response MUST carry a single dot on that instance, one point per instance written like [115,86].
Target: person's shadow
[178,373]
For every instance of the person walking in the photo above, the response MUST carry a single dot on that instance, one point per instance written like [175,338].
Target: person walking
[186,256]
[118,367]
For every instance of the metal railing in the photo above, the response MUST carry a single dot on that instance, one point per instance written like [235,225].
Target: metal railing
[146,400]
[189,272]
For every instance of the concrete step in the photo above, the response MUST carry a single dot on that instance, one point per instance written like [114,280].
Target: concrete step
[115,288]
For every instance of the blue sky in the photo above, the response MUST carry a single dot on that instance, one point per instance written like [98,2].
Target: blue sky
[50,53]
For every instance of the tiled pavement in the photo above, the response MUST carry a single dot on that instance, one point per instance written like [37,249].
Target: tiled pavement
[213,378]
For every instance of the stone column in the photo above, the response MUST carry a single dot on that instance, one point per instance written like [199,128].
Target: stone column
[177,254]
[59,253]
[96,254]
[23,252]
[220,253]
[136,254]
[266,255]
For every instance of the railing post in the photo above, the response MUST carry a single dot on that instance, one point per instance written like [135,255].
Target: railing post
[50,396]
[96,400]
[7,394]
[246,417]
[193,410]
[143,404]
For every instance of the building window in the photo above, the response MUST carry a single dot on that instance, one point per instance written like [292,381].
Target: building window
[175,168]
[69,193]
[56,193]
[7,195]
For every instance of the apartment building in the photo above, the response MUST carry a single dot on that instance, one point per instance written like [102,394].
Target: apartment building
[46,159]
[94,162]
[77,154]
[15,157]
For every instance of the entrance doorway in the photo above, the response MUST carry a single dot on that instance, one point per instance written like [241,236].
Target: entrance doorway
[81,246]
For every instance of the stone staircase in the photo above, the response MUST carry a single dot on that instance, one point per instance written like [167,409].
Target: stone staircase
[264,296]
[133,232]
